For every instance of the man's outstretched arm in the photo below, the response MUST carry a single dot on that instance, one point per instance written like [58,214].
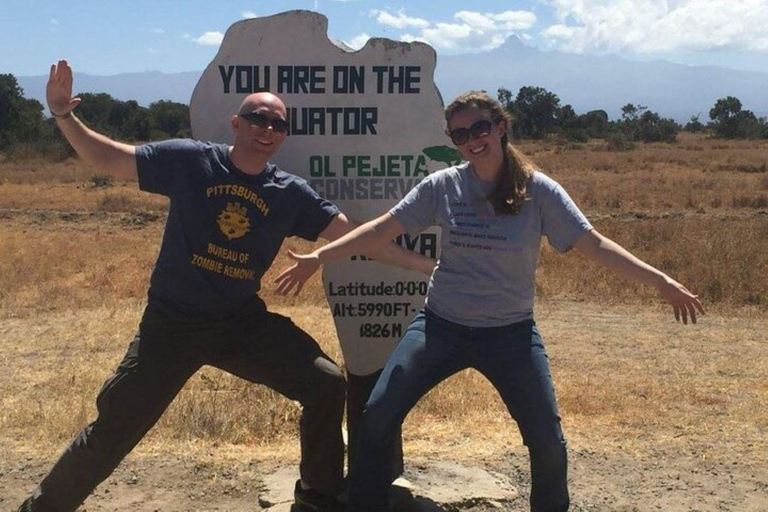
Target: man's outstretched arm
[373,239]
[389,253]
[106,155]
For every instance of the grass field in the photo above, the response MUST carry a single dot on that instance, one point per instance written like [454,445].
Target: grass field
[77,256]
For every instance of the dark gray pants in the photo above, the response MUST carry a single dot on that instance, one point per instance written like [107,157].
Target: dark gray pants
[359,389]
[256,345]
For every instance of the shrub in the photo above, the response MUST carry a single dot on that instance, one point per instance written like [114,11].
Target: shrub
[102,180]
[618,141]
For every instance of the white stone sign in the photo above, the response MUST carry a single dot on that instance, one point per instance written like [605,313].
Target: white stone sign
[366,126]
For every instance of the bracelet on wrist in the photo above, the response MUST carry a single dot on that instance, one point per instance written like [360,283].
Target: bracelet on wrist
[60,116]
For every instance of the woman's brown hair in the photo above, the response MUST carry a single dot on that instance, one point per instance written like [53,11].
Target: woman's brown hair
[509,194]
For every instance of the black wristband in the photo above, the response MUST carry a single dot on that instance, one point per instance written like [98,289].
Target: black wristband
[61,116]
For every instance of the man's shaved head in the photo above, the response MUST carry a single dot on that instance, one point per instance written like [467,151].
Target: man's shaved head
[254,101]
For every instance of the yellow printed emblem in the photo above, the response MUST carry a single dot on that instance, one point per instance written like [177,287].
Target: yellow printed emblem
[233,221]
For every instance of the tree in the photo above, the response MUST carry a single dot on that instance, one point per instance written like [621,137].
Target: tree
[171,118]
[21,119]
[725,117]
[570,124]
[653,128]
[138,123]
[535,110]
[505,98]
[694,125]
[10,92]
[630,112]
[748,125]
[127,120]
[628,124]
[95,110]
[638,123]
[596,123]
[730,121]
[566,118]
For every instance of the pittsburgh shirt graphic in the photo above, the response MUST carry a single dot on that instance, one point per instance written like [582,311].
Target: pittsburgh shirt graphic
[233,221]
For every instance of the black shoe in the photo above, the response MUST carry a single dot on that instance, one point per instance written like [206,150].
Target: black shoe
[310,500]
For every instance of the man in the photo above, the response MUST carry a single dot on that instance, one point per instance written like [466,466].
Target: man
[229,213]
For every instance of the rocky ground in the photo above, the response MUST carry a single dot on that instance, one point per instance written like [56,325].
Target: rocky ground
[600,481]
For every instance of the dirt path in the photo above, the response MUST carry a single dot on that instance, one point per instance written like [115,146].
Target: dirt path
[669,482]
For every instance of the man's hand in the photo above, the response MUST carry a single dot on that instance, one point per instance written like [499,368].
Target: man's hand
[58,92]
[114,158]
[297,275]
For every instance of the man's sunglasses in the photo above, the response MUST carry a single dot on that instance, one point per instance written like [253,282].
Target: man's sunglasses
[263,121]
[478,129]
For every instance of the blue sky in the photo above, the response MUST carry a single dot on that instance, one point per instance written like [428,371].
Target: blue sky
[112,36]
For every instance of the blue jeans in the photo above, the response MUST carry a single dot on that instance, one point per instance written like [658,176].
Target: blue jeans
[511,357]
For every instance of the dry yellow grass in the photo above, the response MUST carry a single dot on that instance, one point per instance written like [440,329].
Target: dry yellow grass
[696,174]
[63,261]
[77,258]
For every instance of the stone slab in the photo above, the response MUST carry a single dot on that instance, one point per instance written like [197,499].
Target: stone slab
[434,486]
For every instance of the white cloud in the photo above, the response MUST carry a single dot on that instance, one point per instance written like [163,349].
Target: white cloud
[152,50]
[475,20]
[648,26]
[210,39]
[558,32]
[469,31]
[54,21]
[399,21]
[410,38]
[158,31]
[447,35]
[504,21]
[358,41]
[516,20]
[250,14]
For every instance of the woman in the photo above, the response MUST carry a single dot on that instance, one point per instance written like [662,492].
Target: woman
[493,210]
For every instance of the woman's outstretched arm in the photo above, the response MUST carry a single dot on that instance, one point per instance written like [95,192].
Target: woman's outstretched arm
[608,253]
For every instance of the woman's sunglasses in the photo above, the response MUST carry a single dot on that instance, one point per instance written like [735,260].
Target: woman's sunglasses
[263,121]
[478,129]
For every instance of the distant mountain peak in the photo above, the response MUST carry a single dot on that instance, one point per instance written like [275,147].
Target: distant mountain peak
[513,44]
[512,41]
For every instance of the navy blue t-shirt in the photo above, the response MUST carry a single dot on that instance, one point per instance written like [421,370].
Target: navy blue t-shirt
[224,226]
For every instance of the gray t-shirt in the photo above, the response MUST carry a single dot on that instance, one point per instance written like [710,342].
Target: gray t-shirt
[485,273]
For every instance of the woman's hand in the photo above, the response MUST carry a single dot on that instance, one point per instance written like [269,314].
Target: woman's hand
[684,303]
[297,275]
[608,253]
[58,91]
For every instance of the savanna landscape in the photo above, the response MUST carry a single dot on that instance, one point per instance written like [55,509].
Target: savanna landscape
[658,415]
